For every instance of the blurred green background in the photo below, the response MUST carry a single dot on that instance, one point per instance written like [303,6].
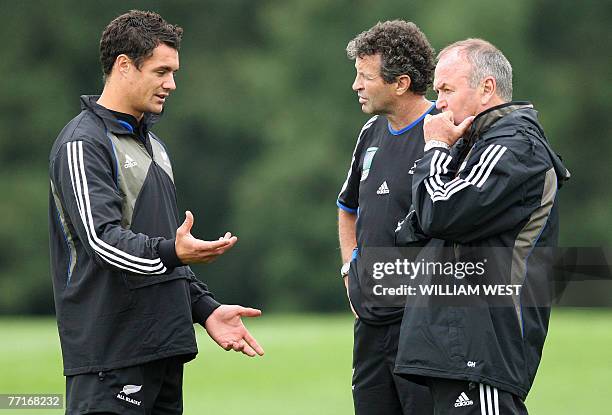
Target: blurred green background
[261,131]
[307,367]
[263,124]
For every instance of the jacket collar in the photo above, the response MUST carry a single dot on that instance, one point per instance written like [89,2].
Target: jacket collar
[112,124]
[483,122]
[487,118]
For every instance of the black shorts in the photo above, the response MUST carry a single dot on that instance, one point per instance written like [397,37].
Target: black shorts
[460,397]
[153,388]
[376,389]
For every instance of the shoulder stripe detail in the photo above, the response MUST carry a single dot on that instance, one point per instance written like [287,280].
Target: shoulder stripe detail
[477,176]
[367,125]
[109,253]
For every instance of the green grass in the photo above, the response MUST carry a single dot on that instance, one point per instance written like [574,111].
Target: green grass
[307,367]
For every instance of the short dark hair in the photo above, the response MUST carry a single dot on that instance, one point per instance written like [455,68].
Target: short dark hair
[404,50]
[135,34]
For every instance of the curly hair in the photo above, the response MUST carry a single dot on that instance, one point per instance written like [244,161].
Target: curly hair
[404,50]
[136,33]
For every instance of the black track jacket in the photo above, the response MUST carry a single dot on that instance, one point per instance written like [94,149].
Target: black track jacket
[501,194]
[122,297]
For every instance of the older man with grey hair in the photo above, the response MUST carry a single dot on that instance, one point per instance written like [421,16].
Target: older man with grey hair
[488,179]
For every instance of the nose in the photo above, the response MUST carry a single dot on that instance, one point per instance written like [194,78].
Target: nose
[441,104]
[357,85]
[169,83]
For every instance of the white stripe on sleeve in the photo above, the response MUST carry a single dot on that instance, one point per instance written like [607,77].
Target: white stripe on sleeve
[477,176]
[109,253]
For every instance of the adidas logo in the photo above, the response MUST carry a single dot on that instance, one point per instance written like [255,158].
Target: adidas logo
[129,162]
[383,189]
[463,400]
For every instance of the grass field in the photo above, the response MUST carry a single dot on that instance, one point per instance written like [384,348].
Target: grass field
[307,367]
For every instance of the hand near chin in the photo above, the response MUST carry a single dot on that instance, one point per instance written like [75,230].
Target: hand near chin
[441,127]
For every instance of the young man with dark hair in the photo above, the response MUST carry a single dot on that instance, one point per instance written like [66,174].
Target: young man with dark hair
[394,64]
[488,180]
[125,297]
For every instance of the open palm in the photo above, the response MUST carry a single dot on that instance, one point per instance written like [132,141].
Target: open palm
[225,327]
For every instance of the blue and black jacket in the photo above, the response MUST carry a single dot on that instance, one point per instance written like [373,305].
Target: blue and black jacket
[122,297]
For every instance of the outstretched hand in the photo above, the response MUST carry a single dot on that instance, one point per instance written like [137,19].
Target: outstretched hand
[191,250]
[442,127]
[225,327]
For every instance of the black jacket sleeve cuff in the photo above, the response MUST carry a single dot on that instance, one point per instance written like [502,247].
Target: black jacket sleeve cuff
[167,254]
[203,308]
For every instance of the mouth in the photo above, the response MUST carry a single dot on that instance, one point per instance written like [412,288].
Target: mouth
[362,100]
[162,97]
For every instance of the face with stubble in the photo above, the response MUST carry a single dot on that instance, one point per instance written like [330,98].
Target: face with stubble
[150,85]
[375,95]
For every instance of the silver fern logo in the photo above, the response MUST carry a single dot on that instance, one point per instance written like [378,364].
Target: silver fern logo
[130,389]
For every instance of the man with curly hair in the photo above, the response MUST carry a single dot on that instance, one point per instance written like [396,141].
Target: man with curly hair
[395,65]
[125,297]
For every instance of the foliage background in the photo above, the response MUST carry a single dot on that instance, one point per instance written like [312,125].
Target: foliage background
[263,124]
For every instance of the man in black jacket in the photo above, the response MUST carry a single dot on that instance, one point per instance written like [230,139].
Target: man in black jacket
[491,195]
[125,297]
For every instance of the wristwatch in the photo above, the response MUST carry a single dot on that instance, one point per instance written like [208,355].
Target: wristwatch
[436,144]
[344,271]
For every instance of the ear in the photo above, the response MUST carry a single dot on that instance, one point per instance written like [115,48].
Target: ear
[123,64]
[489,89]
[403,84]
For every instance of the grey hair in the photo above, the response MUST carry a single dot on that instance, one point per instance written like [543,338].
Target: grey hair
[486,60]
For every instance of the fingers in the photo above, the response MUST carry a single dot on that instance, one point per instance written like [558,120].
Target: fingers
[249,351]
[465,124]
[227,235]
[212,245]
[238,346]
[188,220]
[252,343]
[449,116]
[249,312]
[186,226]
[242,346]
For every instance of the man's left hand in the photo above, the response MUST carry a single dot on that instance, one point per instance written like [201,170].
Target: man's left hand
[225,327]
[441,127]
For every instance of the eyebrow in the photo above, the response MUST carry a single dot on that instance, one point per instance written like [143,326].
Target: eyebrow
[437,88]
[166,68]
